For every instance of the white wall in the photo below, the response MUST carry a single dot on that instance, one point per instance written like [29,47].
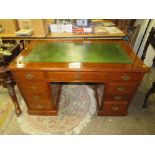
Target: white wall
[150,52]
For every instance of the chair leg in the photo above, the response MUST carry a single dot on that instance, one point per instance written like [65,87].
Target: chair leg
[10,86]
[151,91]
[154,61]
[12,94]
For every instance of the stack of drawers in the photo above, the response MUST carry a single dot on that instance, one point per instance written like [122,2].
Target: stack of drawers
[35,91]
[119,92]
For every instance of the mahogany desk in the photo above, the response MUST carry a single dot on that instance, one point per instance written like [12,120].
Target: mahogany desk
[109,64]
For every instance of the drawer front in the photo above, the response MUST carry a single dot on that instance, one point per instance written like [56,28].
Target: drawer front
[34,87]
[125,76]
[113,113]
[77,76]
[115,106]
[40,105]
[122,87]
[117,97]
[28,75]
[36,96]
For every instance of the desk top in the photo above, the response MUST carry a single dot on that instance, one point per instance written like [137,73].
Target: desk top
[78,55]
[77,52]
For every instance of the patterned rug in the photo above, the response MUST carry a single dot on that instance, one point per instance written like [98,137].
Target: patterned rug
[6,108]
[77,105]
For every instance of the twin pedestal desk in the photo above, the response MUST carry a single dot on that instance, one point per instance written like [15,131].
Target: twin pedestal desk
[43,66]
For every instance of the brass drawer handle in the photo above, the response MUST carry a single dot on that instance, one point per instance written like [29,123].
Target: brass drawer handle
[125,77]
[29,76]
[117,98]
[36,97]
[115,108]
[77,76]
[121,88]
[38,106]
[34,87]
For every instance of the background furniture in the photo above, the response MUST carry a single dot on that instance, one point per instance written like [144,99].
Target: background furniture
[41,30]
[150,40]
[6,79]
[124,24]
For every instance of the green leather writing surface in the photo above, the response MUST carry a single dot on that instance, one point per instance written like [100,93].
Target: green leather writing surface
[78,52]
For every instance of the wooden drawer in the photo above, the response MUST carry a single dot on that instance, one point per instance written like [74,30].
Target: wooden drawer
[40,105]
[28,75]
[112,113]
[123,76]
[36,96]
[117,97]
[32,87]
[121,87]
[115,106]
[77,76]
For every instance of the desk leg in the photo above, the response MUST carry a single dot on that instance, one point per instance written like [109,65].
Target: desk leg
[11,91]
[99,102]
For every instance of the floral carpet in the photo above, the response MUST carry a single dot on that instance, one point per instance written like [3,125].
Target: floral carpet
[77,105]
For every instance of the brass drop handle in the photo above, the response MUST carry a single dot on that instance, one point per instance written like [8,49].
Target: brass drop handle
[121,88]
[36,97]
[115,108]
[125,77]
[39,106]
[34,87]
[29,76]
[117,98]
[77,76]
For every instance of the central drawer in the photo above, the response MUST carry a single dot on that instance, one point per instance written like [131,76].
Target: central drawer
[77,76]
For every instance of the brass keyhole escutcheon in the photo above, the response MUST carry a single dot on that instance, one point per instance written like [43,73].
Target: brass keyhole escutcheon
[121,88]
[125,77]
[115,108]
[77,76]
[39,106]
[117,98]
[34,87]
[29,76]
